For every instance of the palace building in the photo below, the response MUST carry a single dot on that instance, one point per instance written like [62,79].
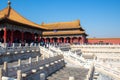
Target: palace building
[14,28]
[64,32]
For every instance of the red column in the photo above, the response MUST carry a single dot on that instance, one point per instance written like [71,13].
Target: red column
[83,39]
[45,40]
[5,35]
[12,36]
[22,37]
[38,38]
[64,40]
[79,39]
[71,41]
[58,40]
[33,37]
[51,40]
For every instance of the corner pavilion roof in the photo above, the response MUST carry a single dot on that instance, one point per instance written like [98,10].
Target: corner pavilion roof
[10,14]
[63,25]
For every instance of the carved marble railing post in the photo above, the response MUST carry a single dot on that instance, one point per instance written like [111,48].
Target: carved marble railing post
[34,70]
[35,45]
[52,67]
[41,68]
[26,44]
[42,76]
[56,63]
[37,58]
[5,68]
[47,69]
[13,45]
[1,73]
[71,78]
[24,75]
[19,44]
[19,62]
[30,60]
[19,75]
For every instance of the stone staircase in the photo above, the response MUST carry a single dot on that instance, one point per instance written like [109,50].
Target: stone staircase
[73,68]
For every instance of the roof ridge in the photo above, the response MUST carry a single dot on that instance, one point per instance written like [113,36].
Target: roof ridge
[8,13]
[61,22]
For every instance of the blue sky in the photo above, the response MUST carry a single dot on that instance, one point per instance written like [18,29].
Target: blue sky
[100,18]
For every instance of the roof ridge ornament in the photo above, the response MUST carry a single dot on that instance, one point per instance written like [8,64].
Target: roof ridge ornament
[9,3]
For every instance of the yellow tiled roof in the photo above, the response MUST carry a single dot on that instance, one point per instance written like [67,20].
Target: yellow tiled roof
[62,25]
[11,14]
[68,32]
[2,16]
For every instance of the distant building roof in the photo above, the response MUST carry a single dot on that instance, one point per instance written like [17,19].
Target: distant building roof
[63,28]
[63,25]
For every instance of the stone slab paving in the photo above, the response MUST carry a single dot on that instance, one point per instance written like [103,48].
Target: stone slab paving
[69,71]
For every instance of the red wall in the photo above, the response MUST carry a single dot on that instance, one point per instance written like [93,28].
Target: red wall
[104,40]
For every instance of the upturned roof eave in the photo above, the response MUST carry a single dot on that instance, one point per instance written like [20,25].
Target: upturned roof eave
[7,13]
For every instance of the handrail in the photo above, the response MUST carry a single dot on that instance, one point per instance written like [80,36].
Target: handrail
[107,69]
[34,65]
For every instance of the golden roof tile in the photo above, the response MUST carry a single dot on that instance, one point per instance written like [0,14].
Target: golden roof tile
[68,32]
[11,14]
[62,25]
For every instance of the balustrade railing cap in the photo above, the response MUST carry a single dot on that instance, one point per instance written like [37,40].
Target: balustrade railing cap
[52,63]
[22,51]
[59,60]
[41,67]
[28,50]
[47,65]
[33,50]
[37,50]
[71,78]
[56,61]
[24,74]
[8,53]
[16,52]
[34,70]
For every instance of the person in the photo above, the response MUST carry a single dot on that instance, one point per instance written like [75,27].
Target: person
[2,40]
[9,44]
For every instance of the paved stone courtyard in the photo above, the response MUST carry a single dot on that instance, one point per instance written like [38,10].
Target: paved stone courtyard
[79,73]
